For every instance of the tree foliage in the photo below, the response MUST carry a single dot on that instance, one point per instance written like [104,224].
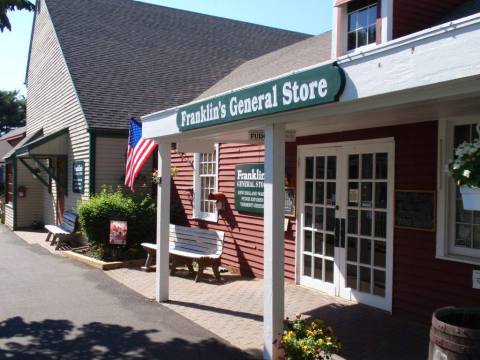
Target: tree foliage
[12,110]
[10,5]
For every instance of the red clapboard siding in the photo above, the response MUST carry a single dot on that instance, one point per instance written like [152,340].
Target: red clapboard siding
[421,283]
[410,16]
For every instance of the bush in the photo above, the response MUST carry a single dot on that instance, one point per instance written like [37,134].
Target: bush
[308,342]
[138,210]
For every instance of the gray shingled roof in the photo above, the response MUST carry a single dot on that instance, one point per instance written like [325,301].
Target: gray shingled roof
[129,58]
[305,53]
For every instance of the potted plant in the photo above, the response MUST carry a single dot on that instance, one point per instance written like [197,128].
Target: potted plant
[465,171]
[314,341]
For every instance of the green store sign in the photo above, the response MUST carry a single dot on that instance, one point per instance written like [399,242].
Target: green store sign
[316,86]
[249,180]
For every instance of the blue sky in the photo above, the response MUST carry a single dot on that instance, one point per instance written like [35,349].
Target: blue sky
[308,16]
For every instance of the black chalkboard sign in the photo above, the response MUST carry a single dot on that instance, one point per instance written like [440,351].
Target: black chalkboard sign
[415,210]
[78,177]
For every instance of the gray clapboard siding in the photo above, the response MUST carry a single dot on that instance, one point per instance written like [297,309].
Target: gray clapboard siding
[110,163]
[52,104]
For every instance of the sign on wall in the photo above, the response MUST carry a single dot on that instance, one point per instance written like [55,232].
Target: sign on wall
[249,179]
[78,177]
[320,85]
[415,210]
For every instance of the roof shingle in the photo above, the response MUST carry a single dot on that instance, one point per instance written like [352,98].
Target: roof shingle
[129,58]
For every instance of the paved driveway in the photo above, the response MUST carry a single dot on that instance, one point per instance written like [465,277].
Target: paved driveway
[53,308]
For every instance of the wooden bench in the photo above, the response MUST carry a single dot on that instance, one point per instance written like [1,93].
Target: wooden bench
[188,245]
[64,231]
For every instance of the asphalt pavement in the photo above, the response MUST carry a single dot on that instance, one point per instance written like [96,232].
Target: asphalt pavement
[55,308]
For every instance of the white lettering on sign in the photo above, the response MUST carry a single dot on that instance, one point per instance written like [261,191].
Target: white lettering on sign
[292,92]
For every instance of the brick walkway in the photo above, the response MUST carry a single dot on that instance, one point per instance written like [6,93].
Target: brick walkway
[233,309]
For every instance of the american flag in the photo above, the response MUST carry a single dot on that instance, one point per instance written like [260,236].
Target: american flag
[138,152]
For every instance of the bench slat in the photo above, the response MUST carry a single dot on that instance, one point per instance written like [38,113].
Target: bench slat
[197,232]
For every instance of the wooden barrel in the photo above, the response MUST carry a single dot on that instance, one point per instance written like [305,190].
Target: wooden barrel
[455,334]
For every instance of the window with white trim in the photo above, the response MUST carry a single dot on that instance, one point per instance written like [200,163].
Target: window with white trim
[205,182]
[362,24]
[459,229]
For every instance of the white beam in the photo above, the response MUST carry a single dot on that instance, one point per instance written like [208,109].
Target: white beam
[273,253]
[163,222]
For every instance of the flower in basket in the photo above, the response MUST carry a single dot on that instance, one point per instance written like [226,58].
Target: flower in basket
[465,167]
[313,341]
[465,171]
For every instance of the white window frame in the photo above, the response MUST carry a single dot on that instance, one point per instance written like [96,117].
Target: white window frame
[197,213]
[367,45]
[445,249]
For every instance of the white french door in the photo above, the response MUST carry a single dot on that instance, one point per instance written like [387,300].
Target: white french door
[345,217]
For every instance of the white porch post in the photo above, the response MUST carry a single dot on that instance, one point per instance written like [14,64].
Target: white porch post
[273,253]
[163,221]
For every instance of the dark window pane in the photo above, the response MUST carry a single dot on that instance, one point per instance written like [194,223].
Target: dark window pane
[330,220]
[329,271]
[319,243]
[463,215]
[352,21]
[464,235]
[366,223]
[364,279]
[331,167]
[317,270]
[461,134]
[329,245]
[331,193]
[381,168]
[365,251]
[380,224]
[367,166]
[381,195]
[352,40]
[372,15]
[352,276]
[352,249]
[319,195]
[476,237]
[352,227]
[308,216]
[362,37]
[309,168]
[362,18]
[367,195]
[308,192]
[307,265]
[353,194]
[379,283]
[307,242]
[379,258]
[353,165]
[320,169]
[319,218]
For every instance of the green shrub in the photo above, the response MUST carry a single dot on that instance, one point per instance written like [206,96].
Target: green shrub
[137,209]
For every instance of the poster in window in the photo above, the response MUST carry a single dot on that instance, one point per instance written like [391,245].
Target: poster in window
[78,176]
[118,232]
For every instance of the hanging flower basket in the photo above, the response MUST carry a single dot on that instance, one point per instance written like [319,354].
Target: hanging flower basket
[470,198]
[465,171]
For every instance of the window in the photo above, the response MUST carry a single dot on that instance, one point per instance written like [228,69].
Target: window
[9,181]
[362,29]
[459,230]
[205,182]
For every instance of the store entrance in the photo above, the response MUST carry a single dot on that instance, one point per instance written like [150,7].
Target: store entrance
[346,220]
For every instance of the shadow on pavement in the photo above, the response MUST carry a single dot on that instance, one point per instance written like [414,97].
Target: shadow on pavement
[61,339]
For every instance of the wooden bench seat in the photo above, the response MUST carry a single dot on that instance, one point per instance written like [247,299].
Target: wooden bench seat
[63,231]
[189,244]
